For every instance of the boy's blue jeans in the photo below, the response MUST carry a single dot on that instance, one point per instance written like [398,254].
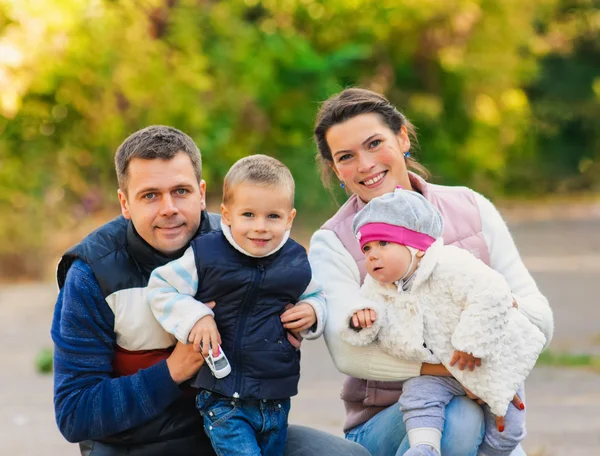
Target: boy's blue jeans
[385,433]
[244,427]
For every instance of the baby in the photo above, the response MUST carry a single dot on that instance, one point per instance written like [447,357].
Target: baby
[253,271]
[435,303]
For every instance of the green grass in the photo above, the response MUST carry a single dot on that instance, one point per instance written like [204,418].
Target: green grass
[549,358]
[43,361]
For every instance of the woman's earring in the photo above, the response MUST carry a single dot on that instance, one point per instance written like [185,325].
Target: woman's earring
[342,185]
[406,154]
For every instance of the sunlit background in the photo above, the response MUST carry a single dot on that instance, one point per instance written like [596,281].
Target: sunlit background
[505,95]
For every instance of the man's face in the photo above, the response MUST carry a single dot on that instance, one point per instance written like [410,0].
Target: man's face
[164,201]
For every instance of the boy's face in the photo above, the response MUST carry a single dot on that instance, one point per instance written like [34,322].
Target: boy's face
[386,261]
[164,201]
[258,216]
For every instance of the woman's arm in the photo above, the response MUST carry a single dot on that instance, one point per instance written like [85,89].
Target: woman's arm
[335,269]
[438,370]
[505,258]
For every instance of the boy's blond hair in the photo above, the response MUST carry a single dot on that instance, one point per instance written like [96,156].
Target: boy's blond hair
[258,169]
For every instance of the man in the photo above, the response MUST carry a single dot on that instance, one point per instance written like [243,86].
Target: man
[118,382]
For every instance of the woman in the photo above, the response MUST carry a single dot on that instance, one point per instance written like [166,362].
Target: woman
[365,142]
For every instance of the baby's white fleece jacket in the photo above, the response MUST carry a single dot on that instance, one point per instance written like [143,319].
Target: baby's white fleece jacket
[455,302]
[334,267]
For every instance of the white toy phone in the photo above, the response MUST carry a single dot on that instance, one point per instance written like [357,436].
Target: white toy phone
[219,365]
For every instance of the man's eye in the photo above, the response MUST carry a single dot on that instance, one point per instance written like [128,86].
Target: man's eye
[149,196]
[181,191]
[375,143]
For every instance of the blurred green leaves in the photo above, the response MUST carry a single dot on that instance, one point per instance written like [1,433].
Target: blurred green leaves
[505,94]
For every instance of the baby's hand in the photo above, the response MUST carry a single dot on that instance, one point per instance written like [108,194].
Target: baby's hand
[299,318]
[204,335]
[465,359]
[363,318]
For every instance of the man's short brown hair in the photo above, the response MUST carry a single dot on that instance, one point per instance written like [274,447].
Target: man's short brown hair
[156,141]
[258,169]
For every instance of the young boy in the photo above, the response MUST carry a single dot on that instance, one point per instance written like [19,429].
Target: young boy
[253,271]
[434,302]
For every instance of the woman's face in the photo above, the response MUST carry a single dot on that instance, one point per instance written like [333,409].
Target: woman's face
[368,157]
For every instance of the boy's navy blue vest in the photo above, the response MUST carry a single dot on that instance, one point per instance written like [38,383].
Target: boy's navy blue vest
[251,294]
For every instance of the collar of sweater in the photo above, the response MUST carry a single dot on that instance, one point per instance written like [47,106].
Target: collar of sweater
[227,233]
[427,263]
[146,257]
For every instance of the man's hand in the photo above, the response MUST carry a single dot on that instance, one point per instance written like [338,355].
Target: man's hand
[184,362]
[363,318]
[204,335]
[299,317]
[465,359]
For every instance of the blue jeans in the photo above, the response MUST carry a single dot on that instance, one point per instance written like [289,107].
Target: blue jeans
[244,427]
[385,433]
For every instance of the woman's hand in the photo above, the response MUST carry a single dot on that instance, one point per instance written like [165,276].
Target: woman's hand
[516,401]
[474,397]
[363,319]
[437,370]
[464,359]
[500,419]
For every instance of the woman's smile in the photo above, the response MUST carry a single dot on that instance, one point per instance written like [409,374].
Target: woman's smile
[372,181]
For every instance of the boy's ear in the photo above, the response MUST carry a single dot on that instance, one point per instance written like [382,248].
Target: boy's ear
[290,220]
[225,215]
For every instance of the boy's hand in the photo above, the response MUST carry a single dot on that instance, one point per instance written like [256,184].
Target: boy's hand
[465,359]
[363,318]
[299,318]
[205,335]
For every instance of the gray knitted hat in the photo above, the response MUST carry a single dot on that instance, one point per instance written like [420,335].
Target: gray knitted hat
[403,217]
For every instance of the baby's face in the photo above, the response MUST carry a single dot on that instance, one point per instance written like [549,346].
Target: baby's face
[258,216]
[386,261]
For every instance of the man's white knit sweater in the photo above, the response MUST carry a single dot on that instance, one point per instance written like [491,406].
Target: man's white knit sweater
[455,302]
[340,276]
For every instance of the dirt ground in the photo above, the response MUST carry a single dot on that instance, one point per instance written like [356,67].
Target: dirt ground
[562,404]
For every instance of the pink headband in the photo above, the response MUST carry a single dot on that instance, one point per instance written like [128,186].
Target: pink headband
[392,233]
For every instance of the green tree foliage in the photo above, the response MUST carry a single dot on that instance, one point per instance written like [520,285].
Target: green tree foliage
[505,94]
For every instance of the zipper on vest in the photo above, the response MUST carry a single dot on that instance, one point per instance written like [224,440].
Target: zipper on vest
[246,306]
